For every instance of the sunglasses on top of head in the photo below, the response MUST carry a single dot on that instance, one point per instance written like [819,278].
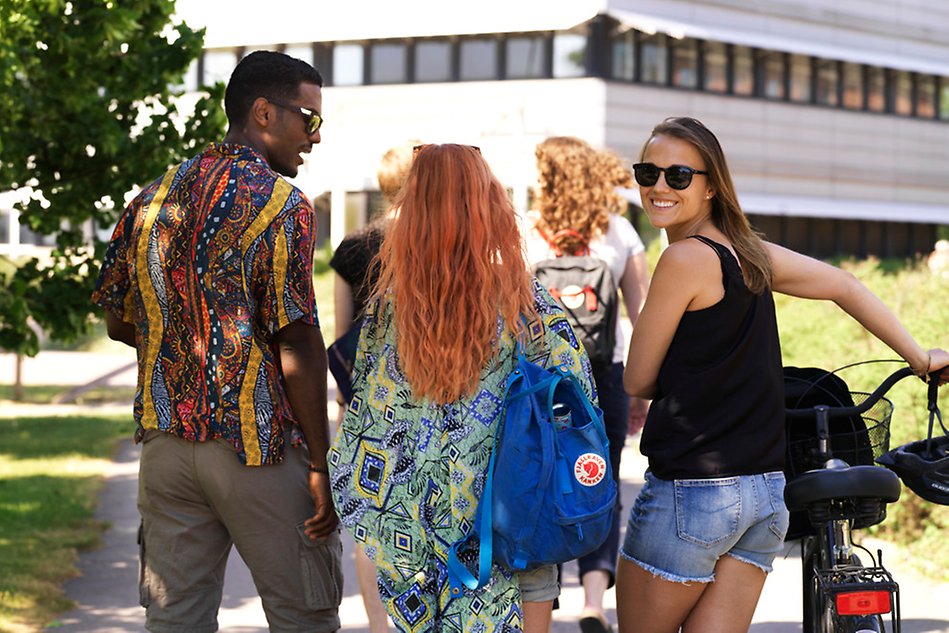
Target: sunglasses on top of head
[677,176]
[313,119]
[418,148]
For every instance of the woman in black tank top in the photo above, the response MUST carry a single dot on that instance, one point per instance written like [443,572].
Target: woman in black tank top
[711,517]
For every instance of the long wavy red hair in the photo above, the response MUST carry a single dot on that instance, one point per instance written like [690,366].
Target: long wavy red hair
[452,263]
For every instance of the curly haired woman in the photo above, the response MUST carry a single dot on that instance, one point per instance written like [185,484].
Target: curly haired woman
[577,209]
[410,460]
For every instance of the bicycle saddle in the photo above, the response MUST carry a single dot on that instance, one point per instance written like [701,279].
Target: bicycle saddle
[841,483]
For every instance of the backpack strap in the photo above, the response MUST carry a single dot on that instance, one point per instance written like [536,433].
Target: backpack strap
[458,574]
[551,241]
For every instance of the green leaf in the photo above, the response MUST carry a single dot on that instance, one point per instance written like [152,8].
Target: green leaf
[74,76]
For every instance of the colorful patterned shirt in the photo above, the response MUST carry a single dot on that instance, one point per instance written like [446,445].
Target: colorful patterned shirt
[407,474]
[208,263]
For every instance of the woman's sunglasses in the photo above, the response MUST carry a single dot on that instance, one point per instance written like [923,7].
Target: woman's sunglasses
[419,148]
[313,119]
[677,176]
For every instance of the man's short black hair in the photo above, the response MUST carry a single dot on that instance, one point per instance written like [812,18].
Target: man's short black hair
[265,74]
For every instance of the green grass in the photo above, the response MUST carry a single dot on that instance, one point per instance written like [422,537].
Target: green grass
[45,394]
[50,474]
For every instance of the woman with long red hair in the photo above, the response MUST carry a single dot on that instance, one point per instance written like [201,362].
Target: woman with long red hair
[409,463]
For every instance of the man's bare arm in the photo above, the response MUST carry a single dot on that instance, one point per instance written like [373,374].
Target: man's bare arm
[303,363]
[120,330]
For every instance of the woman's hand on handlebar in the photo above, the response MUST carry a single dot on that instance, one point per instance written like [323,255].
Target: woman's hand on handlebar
[939,363]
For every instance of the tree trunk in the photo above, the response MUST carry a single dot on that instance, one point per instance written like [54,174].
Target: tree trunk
[18,379]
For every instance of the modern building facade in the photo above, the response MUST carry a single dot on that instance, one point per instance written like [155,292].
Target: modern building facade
[834,116]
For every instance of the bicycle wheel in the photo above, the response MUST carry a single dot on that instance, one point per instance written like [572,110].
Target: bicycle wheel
[817,614]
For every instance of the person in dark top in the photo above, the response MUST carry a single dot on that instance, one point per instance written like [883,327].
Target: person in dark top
[354,281]
[351,260]
[710,518]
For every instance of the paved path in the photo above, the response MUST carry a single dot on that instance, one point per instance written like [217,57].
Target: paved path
[107,596]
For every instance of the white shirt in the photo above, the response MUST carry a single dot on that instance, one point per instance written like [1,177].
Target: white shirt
[616,247]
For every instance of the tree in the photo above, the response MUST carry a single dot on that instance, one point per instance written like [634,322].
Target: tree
[92,105]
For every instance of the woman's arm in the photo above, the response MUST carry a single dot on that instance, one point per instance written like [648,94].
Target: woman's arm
[802,276]
[688,275]
[343,305]
[634,284]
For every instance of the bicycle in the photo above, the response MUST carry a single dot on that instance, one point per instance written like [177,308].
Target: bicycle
[833,489]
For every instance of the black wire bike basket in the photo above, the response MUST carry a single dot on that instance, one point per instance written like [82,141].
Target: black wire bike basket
[857,440]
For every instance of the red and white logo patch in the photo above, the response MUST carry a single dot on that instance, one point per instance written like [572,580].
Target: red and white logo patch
[589,469]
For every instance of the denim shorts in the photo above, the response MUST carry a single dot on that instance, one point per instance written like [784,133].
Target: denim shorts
[679,529]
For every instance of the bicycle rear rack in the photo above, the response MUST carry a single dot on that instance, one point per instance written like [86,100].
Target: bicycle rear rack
[857,591]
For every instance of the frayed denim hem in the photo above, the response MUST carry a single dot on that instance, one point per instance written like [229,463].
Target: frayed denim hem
[658,573]
[766,569]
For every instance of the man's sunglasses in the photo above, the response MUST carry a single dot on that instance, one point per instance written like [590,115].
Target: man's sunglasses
[677,176]
[312,117]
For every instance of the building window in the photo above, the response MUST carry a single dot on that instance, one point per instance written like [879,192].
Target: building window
[743,71]
[432,61]
[685,63]
[654,58]
[27,236]
[6,217]
[479,59]
[827,82]
[800,79]
[570,55]
[300,51]
[902,93]
[218,65]
[926,96]
[190,81]
[944,98]
[356,210]
[323,218]
[388,63]
[715,70]
[525,57]
[347,64]
[853,86]
[771,72]
[624,55]
[876,89]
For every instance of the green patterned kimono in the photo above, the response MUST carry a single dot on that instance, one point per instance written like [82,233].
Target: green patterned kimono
[407,474]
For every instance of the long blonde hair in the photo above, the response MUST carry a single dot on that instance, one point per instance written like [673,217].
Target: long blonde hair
[577,190]
[726,212]
[452,262]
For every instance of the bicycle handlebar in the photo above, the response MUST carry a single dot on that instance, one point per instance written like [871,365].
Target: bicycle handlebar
[863,407]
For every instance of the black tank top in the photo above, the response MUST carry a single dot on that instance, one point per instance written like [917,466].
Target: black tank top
[719,407]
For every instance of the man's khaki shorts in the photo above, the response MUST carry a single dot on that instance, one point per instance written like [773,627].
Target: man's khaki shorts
[196,499]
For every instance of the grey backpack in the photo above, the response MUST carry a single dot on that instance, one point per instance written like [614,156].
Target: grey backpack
[583,285]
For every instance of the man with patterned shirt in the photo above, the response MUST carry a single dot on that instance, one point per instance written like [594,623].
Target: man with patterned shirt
[209,276]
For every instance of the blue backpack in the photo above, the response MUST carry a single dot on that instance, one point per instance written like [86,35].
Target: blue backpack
[556,497]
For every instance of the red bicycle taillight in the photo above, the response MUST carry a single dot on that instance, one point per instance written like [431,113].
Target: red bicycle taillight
[863,602]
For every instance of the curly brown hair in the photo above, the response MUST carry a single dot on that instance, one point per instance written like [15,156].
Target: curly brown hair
[577,190]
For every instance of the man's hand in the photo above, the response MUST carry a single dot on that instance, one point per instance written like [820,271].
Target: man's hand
[324,519]
[303,363]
